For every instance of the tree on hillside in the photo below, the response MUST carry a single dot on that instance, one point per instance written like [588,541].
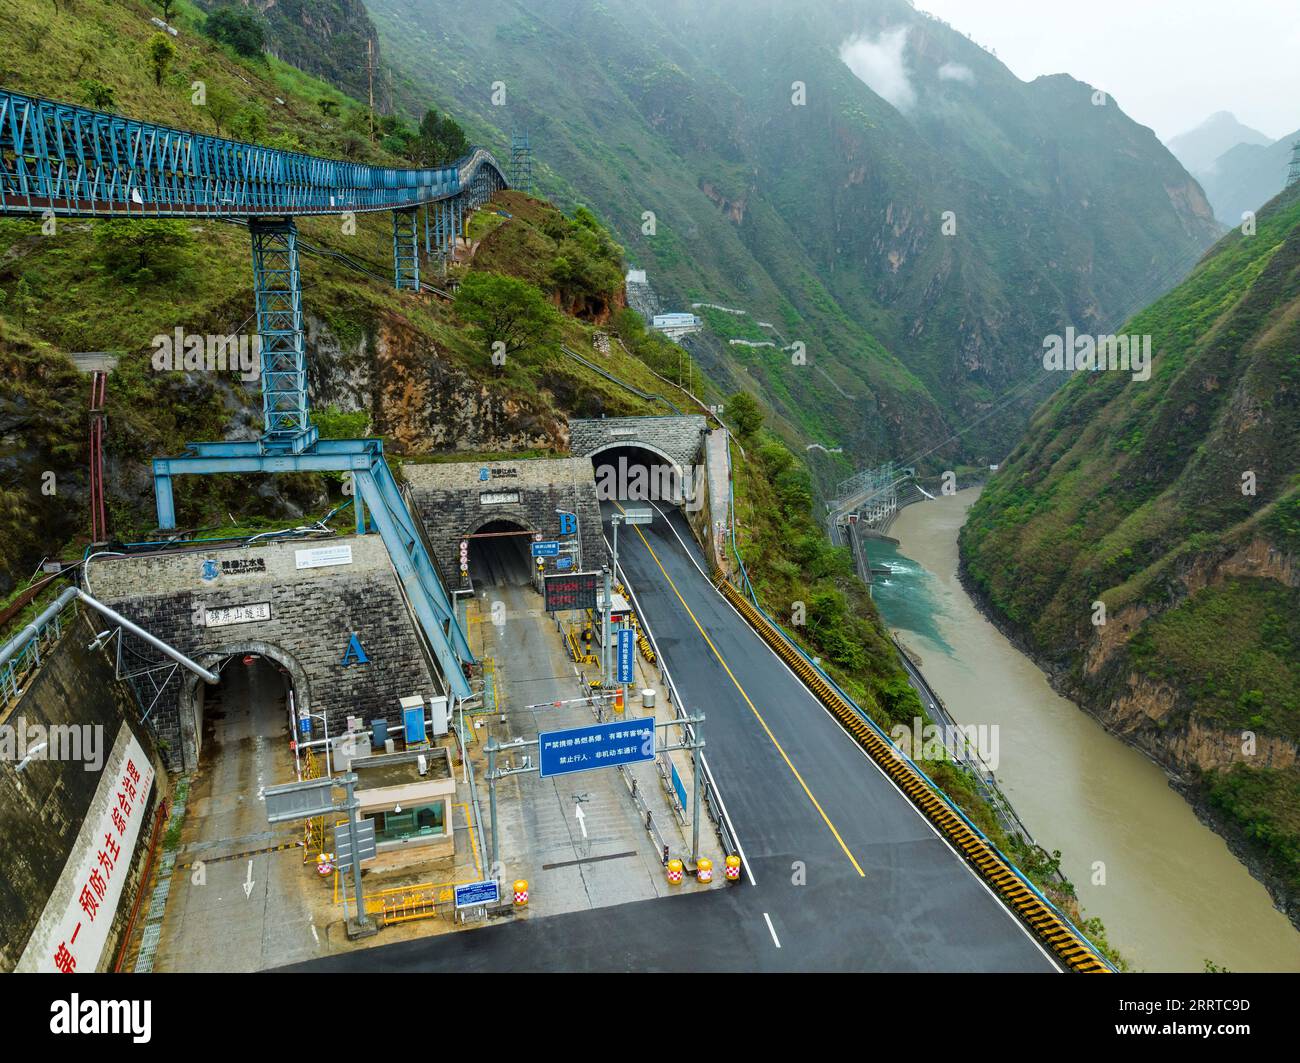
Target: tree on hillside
[238,28]
[161,54]
[249,122]
[221,107]
[96,94]
[167,7]
[505,310]
[142,251]
[745,413]
[440,140]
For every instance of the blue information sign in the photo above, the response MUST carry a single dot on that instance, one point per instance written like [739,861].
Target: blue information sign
[626,654]
[549,548]
[564,563]
[602,745]
[679,788]
[477,894]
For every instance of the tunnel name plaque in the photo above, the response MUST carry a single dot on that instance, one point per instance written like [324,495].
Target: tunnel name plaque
[223,616]
[572,590]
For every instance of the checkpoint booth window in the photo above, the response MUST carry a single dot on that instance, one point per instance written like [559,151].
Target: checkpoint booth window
[409,797]
[411,822]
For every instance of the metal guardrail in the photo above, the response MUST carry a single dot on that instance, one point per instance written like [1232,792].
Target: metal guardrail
[709,795]
[643,809]
[1016,890]
[21,655]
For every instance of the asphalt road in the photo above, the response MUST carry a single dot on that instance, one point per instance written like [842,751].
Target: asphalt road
[843,873]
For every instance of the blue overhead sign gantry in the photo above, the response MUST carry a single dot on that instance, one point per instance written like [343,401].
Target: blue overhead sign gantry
[601,745]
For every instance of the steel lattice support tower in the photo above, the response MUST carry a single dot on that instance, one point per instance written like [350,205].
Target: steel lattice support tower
[277,288]
[521,162]
[406,249]
[1294,175]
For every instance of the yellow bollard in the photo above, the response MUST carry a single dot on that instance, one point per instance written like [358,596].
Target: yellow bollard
[704,870]
[674,872]
[521,892]
[733,868]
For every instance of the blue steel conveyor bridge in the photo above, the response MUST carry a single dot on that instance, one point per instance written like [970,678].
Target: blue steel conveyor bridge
[60,160]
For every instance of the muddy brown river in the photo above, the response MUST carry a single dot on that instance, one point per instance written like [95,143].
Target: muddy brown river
[1170,892]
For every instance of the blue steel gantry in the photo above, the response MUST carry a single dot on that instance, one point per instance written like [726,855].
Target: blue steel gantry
[63,160]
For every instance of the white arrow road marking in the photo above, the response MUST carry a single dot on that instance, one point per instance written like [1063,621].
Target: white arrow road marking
[248,882]
[582,818]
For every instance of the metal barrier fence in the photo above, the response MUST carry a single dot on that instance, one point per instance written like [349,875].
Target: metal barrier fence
[21,655]
[1015,888]
[709,795]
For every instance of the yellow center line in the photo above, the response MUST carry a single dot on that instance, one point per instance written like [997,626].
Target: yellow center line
[753,708]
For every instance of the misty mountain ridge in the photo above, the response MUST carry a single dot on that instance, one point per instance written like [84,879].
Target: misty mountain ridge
[822,209]
[1247,176]
[1200,148]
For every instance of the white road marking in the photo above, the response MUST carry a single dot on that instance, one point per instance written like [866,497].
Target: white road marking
[771,930]
[1001,903]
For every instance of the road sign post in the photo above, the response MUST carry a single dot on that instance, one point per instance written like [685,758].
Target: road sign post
[312,798]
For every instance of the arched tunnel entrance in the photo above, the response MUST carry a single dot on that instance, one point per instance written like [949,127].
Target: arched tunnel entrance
[248,709]
[630,472]
[500,556]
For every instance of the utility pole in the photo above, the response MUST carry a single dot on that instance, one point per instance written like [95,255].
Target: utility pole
[605,619]
[697,765]
[1294,174]
[370,77]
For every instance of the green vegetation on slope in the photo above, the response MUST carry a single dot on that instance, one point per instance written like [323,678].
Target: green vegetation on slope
[1175,502]
[417,373]
[826,216]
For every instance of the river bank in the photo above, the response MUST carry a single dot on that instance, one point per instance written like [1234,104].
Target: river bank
[1169,891]
[1191,790]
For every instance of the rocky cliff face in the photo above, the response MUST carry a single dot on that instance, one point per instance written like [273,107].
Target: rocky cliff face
[332,39]
[1143,543]
[422,400]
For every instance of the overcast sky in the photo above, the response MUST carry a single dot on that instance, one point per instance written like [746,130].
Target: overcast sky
[1168,63]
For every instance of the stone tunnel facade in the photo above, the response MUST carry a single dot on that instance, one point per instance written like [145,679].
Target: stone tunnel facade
[455,499]
[298,603]
[678,438]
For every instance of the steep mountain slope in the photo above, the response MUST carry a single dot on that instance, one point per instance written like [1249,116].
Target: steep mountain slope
[783,184]
[1248,176]
[1144,542]
[1199,148]
[331,39]
[402,365]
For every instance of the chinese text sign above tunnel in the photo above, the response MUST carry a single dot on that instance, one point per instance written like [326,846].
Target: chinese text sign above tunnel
[602,745]
[573,590]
